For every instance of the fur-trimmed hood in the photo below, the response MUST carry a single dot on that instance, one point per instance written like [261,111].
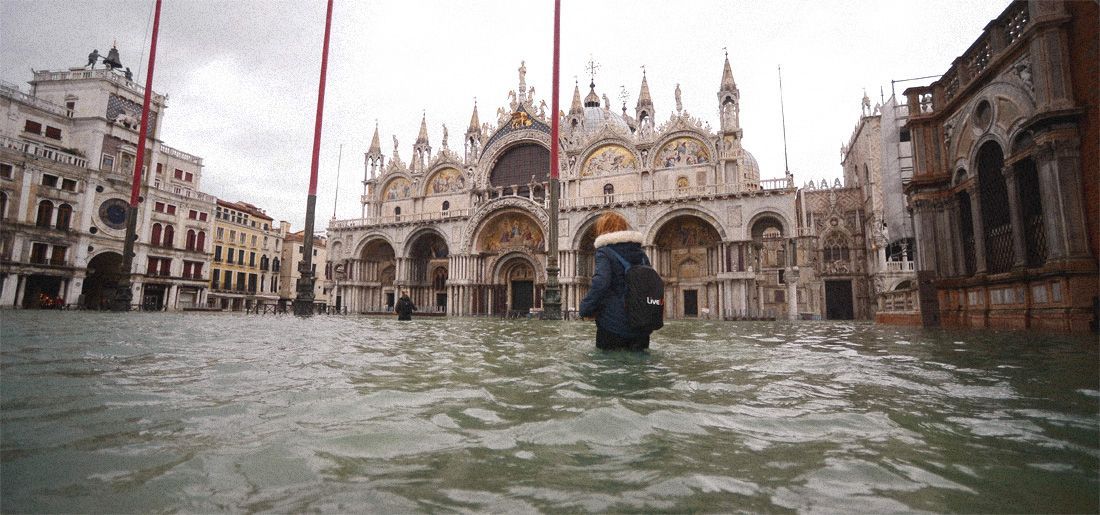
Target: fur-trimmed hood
[618,237]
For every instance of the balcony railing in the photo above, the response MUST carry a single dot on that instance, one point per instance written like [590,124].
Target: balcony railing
[1000,36]
[12,91]
[103,73]
[392,219]
[901,266]
[673,194]
[898,300]
[37,150]
[179,154]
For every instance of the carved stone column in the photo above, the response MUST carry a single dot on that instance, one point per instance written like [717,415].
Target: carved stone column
[1058,164]
[1019,246]
[979,229]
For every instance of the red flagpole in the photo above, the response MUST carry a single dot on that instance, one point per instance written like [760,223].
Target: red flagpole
[551,299]
[303,302]
[554,97]
[135,188]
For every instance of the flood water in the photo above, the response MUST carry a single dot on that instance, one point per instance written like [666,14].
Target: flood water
[142,413]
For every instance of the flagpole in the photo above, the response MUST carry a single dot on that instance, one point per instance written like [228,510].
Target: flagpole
[124,294]
[551,299]
[303,303]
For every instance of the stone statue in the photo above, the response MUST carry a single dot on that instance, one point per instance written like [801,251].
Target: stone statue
[92,58]
[129,74]
[444,135]
[679,105]
[522,72]
[395,144]
[542,108]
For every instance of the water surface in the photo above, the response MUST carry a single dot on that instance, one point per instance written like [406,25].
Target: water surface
[232,413]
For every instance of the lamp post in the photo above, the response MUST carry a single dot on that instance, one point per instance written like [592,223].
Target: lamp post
[124,294]
[303,303]
[551,300]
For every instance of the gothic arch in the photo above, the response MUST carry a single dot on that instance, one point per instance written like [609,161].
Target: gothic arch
[590,150]
[1011,106]
[419,232]
[498,264]
[368,238]
[462,178]
[766,212]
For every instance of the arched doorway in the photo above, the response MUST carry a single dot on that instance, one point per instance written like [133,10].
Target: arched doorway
[687,261]
[103,276]
[373,277]
[996,221]
[511,242]
[768,257]
[427,279]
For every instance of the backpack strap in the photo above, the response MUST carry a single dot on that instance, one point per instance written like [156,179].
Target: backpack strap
[625,263]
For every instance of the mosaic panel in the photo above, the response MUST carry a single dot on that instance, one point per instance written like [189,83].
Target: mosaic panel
[683,151]
[608,160]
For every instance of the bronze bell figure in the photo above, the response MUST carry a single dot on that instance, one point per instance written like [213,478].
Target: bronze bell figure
[112,61]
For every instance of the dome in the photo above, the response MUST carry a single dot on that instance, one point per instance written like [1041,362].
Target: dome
[596,117]
[750,164]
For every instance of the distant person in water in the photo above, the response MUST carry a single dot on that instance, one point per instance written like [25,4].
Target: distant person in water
[404,307]
[617,325]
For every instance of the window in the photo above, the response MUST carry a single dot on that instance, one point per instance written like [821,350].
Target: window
[53,133]
[32,127]
[252,283]
[220,234]
[240,281]
[192,270]
[64,216]
[275,265]
[189,177]
[168,234]
[202,217]
[58,256]
[3,205]
[218,253]
[45,214]
[179,173]
[6,171]
[200,241]
[242,237]
[108,162]
[190,243]
[158,207]
[68,185]
[215,275]
[160,168]
[38,253]
[264,263]
[252,259]
[171,209]
[49,180]
[229,255]
[192,214]
[240,256]
[154,235]
[253,240]
[608,189]
[232,234]
[836,248]
[228,285]
[446,206]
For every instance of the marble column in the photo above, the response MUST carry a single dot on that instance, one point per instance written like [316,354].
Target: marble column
[1019,247]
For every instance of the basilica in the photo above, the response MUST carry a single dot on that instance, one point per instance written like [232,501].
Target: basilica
[464,230]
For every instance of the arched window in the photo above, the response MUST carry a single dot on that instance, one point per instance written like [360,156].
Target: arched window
[996,221]
[168,236]
[446,205]
[397,213]
[64,216]
[190,244]
[154,236]
[836,248]
[275,265]
[608,189]
[200,241]
[1031,205]
[45,213]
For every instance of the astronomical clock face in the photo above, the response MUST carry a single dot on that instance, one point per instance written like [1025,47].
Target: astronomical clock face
[112,213]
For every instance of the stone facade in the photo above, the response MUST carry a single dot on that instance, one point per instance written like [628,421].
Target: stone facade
[466,232]
[322,271]
[248,248]
[67,155]
[1004,191]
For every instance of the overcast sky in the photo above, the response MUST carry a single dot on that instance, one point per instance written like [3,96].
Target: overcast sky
[241,76]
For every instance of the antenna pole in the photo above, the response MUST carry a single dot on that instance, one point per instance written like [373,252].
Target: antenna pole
[336,195]
[783,116]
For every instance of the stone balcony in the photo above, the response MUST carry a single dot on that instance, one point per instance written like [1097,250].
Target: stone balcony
[44,152]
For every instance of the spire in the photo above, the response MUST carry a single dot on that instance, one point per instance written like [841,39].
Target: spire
[643,112]
[475,125]
[728,83]
[375,145]
[576,107]
[423,136]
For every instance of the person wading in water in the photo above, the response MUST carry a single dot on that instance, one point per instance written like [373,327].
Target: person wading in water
[626,294]
[404,307]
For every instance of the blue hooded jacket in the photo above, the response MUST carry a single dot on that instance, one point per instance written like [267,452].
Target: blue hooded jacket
[607,293]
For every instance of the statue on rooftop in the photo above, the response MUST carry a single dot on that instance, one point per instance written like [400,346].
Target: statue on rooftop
[92,58]
[679,105]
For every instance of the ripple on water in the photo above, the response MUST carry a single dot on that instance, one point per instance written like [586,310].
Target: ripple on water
[173,412]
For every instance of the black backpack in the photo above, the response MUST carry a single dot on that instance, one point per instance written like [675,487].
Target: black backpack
[645,293]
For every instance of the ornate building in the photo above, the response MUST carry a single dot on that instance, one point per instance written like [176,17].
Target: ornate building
[67,156]
[248,247]
[1006,174]
[466,232]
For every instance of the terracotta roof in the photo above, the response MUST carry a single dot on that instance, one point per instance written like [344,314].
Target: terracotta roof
[318,241]
[245,207]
